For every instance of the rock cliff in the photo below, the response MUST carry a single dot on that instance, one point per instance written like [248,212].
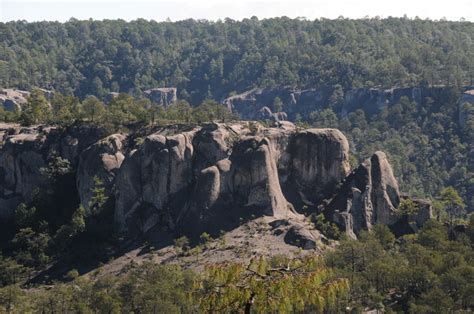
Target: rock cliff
[14,99]
[183,179]
[164,96]
[370,195]
[258,103]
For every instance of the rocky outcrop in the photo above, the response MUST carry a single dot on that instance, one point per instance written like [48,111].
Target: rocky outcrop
[20,162]
[164,96]
[255,103]
[218,174]
[25,151]
[319,161]
[98,165]
[411,223]
[12,99]
[265,114]
[186,179]
[210,173]
[155,182]
[370,195]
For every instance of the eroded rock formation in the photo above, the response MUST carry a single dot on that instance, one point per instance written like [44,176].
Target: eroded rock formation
[370,195]
[258,102]
[219,173]
[164,96]
[207,178]
[25,151]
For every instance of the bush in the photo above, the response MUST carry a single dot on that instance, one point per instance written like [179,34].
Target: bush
[181,244]
[327,228]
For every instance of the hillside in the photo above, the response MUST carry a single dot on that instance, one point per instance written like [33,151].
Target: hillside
[214,59]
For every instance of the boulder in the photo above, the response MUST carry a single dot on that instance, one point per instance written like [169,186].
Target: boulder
[300,236]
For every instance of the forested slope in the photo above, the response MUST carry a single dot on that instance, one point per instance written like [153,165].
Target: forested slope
[212,59]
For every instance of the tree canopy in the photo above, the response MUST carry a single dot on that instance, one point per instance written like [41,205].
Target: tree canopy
[211,59]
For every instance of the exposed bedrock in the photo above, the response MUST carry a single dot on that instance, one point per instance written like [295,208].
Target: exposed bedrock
[259,103]
[99,164]
[370,195]
[319,161]
[155,182]
[219,173]
[25,151]
[206,178]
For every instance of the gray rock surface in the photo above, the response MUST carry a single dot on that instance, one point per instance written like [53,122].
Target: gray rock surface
[266,114]
[221,171]
[300,236]
[320,159]
[99,161]
[24,151]
[207,178]
[13,99]
[369,195]
[164,96]
[305,101]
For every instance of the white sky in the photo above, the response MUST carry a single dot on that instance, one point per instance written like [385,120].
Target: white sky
[159,10]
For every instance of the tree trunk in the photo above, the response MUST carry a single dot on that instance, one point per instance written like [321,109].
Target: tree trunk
[248,305]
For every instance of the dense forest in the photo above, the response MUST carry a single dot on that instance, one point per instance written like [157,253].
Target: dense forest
[213,59]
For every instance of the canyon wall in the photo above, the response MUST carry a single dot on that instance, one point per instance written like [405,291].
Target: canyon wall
[204,178]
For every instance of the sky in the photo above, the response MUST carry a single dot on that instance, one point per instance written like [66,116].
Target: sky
[160,10]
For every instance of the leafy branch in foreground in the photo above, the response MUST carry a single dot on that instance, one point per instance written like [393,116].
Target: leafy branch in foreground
[300,285]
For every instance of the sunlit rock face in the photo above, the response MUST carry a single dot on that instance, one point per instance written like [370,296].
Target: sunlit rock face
[370,195]
[219,173]
[205,178]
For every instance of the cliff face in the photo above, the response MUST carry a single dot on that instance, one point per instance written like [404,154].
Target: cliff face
[204,178]
[164,96]
[24,151]
[370,195]
[251,104]
[219,173]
